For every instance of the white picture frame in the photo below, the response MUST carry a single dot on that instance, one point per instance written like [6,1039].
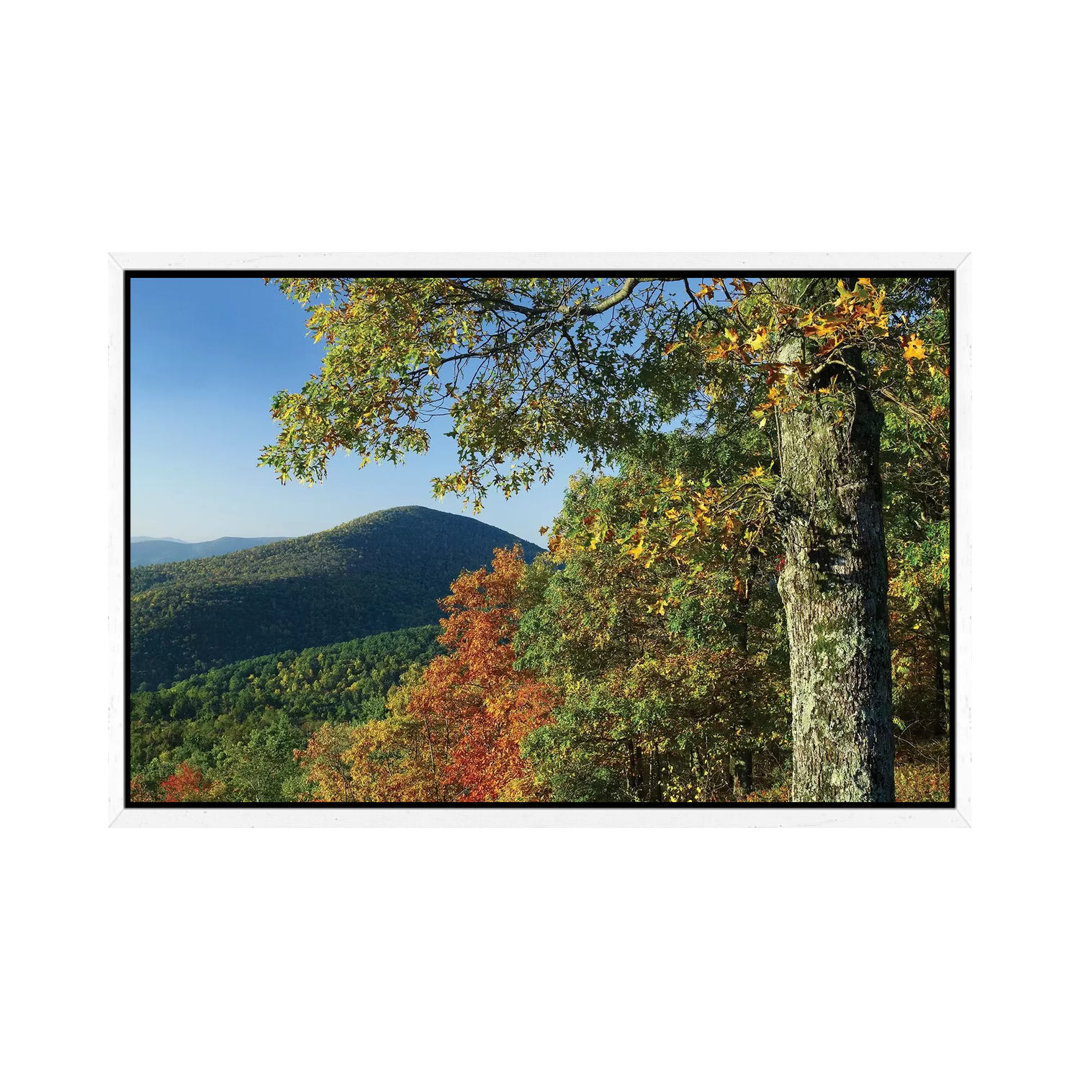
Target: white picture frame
[321,816]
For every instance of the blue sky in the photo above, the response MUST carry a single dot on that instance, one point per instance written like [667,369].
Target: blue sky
[207,355]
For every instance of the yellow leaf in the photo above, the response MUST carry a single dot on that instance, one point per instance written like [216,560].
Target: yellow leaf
[914,348]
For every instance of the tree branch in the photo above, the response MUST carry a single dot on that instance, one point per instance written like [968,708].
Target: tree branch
[586,309]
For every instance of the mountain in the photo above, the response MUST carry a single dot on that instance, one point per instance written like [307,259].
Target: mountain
[382,572]
[147,550]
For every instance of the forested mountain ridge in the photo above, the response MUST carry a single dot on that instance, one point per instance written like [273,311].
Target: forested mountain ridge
[145,551]
[385,571]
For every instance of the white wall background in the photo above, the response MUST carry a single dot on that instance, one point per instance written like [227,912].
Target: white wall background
[535,953]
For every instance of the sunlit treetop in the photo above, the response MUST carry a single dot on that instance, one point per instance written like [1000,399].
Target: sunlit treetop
[521,369]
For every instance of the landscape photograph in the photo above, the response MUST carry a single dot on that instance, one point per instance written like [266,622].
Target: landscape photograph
[424,539]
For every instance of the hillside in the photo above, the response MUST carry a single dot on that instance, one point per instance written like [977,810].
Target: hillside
[146,551]
[284,697]
[382,572]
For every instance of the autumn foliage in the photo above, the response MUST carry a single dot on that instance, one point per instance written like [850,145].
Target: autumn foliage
[479,707]
[453,730]
[185,785]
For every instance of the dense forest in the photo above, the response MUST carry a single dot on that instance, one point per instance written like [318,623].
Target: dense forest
[237,726]
[747,598]
[381,572]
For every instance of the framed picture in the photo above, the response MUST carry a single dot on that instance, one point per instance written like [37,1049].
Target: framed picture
[543,540]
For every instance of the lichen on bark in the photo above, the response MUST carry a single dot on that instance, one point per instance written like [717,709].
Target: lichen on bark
[834,585]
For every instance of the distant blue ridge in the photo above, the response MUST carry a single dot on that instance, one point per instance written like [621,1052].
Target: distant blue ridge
[150,552]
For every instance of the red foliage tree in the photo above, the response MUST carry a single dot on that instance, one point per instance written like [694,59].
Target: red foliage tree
[453,730]
[476,707]
[185,785]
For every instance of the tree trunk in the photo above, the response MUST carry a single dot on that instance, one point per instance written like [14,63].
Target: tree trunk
[741,770]
[635,774]
[834,584]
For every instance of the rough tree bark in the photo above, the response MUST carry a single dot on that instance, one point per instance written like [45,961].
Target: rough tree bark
[834,585]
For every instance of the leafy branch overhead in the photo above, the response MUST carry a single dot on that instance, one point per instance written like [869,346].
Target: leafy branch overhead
[520,369]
